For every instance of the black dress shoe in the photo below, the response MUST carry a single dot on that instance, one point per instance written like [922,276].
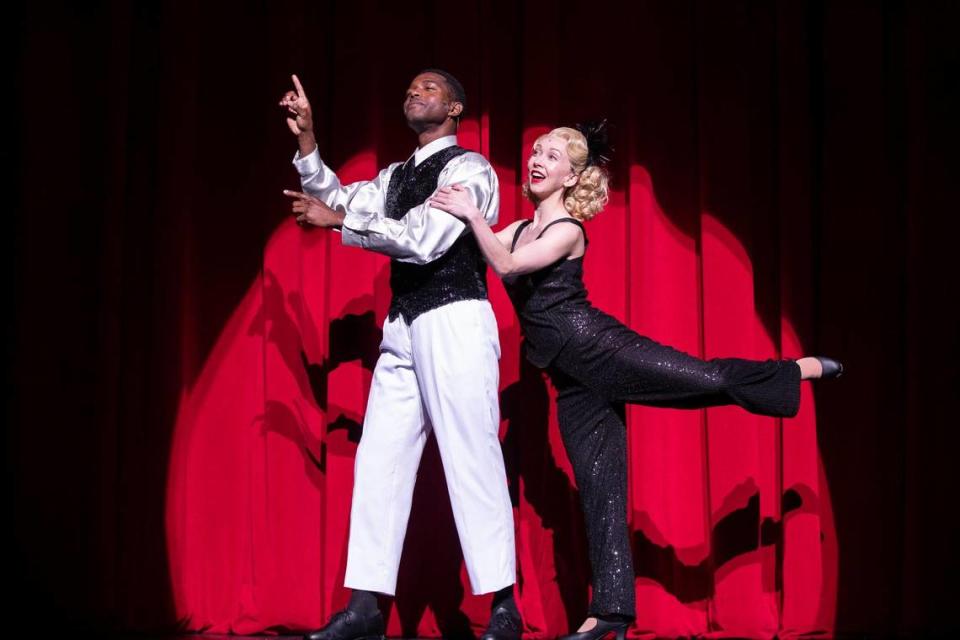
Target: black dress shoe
[350,625]
[505,624]
[603,628]
[831,368]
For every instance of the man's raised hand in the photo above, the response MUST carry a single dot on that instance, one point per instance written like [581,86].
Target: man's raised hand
[300,118]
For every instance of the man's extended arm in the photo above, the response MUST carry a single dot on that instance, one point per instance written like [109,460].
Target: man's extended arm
[361,198]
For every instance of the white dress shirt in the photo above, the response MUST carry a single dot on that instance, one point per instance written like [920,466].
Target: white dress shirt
[424,233]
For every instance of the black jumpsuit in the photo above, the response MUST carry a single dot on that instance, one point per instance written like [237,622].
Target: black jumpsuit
[597,364]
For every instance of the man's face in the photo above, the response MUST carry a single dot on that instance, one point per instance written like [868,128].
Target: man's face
[428,101]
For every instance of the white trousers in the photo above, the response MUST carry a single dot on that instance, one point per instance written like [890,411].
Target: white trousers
[441,372]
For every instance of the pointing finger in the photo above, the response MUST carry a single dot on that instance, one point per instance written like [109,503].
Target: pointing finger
[296,83]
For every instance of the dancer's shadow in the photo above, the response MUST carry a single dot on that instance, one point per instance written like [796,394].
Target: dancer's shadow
[352,336]
[284,320]
[734,535]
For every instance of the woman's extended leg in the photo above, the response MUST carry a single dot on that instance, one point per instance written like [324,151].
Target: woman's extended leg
[624,366]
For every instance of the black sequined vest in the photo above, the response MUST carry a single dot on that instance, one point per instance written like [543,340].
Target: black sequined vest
[459,274]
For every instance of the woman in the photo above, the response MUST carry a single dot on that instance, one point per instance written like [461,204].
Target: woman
[596,363]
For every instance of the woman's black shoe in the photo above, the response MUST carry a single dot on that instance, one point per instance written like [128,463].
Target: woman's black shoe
[603,628]
[831,368]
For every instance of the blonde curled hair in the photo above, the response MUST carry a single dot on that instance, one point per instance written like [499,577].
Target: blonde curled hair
[590,194]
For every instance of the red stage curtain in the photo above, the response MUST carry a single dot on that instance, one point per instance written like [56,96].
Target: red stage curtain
[730,519]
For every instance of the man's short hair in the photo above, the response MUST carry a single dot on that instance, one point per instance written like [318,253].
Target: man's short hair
[455,87]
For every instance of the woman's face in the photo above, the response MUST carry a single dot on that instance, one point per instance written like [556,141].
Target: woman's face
[548,168]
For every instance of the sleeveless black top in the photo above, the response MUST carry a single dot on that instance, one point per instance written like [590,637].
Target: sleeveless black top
[459,274]
[552,303]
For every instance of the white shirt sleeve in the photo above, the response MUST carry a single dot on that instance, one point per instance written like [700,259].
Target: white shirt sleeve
[362,197]
[424,233]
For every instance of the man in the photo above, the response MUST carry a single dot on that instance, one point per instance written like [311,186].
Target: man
[438,367]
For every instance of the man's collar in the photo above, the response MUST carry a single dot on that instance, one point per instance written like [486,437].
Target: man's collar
[429,149]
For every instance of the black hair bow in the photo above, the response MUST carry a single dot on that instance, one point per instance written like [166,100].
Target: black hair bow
[598,141]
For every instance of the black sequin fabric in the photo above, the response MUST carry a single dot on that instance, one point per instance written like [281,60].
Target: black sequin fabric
[459,274]
[597,365]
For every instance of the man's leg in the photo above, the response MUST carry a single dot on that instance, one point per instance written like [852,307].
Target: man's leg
[456,354]
[385,469]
